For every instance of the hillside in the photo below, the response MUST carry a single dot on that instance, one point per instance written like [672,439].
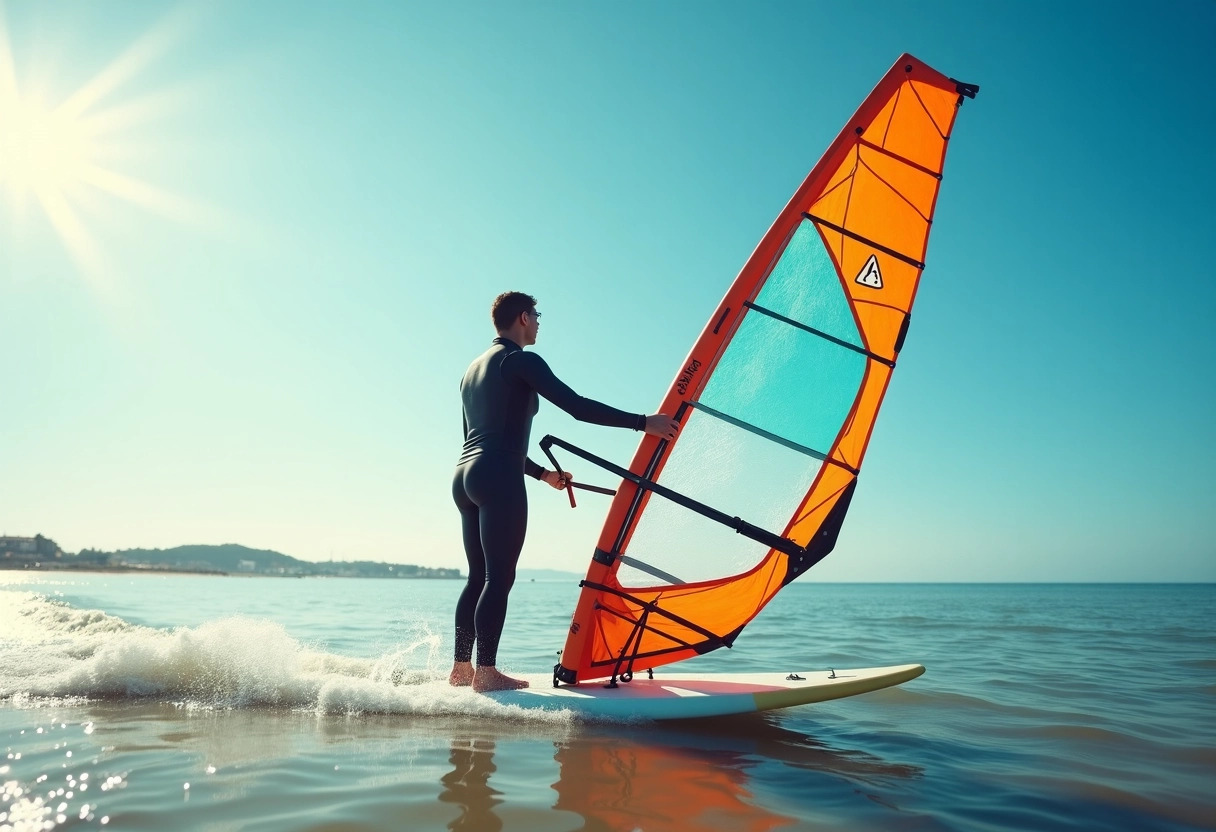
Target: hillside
[235,559]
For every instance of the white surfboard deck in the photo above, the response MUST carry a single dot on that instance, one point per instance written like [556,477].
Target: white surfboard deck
[688,695]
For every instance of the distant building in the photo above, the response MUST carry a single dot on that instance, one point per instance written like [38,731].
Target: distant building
[29,548]
[92,557]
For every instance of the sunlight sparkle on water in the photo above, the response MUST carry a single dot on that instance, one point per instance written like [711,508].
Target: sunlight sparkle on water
[27,808]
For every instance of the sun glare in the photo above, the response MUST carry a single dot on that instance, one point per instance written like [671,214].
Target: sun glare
[41,151]
[51,153]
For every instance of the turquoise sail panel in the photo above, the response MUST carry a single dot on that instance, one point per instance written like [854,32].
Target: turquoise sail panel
[805,287]
[787,382]
[780,378]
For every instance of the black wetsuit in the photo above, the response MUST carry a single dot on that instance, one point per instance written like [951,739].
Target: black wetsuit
[499,393]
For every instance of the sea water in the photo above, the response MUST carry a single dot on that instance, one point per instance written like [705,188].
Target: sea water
[144,701]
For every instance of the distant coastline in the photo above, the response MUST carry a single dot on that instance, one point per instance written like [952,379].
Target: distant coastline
[42,554]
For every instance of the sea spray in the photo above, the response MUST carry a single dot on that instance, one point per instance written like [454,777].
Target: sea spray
[33,618]
[231,662]
[418,660]
[51,651]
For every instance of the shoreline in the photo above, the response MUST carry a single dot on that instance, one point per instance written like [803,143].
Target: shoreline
[146,570]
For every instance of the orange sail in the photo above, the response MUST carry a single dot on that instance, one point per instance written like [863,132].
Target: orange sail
[776,400]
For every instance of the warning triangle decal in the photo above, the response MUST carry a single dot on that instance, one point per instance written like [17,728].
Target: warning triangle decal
[870,275]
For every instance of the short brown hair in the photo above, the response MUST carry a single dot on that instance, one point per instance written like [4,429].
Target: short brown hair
[508,306]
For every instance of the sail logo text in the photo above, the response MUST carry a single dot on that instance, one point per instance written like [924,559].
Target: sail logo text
[686,376]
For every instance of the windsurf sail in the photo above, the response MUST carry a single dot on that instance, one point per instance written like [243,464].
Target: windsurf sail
[776,400]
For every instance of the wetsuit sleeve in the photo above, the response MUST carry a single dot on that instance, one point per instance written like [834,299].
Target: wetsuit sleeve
[532,469]
[532,369]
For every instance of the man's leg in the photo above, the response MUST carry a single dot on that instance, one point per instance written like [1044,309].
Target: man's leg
[470,525]
[504,523]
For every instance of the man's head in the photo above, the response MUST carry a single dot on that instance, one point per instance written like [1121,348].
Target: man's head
[515,317]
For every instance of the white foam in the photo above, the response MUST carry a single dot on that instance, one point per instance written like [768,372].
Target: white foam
[50,650]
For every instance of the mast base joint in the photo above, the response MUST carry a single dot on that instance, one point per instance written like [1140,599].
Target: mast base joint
[564,675]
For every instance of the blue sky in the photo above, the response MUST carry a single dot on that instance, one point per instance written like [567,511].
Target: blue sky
[243,317]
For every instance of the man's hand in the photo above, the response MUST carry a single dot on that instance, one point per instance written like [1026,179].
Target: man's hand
[557,479]
[662,426]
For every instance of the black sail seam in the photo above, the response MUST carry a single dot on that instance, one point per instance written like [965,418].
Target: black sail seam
[772,437]
[925,107]
[652,653]
[838,341]
[895,190]
[898,255]
[681,642]
[654,607]
[898,158]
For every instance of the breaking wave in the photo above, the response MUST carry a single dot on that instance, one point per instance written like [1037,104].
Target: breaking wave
[51,650]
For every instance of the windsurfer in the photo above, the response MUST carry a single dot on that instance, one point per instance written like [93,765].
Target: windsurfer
[499,394]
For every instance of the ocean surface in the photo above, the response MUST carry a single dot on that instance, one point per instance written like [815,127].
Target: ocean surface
[131,701]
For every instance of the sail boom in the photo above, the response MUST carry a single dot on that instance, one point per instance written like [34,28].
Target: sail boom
[761,535]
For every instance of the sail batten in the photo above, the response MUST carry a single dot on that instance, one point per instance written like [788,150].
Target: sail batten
[772,437]
[777,399]
[814,331]
[853,235]
[880,149]
[643,566]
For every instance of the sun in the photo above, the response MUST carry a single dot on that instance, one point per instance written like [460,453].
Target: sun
[42,152]
[47,158]
[51,153]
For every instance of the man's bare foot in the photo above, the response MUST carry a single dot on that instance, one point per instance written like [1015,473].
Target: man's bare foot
[488,678]
[462,675]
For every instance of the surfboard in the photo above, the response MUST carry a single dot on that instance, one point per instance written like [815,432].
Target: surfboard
[689,696]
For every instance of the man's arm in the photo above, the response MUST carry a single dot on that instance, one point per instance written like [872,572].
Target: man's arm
[532,369]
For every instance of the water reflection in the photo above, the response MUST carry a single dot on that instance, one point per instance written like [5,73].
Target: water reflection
[693,776]
[299,771]
[468,786]
[623,784]
[765,737]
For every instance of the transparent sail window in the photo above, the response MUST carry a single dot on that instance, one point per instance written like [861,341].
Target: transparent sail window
[732,470]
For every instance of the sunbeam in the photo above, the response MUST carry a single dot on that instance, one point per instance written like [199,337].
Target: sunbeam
[51,152]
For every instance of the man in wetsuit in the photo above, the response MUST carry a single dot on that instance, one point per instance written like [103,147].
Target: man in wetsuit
[500,396]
